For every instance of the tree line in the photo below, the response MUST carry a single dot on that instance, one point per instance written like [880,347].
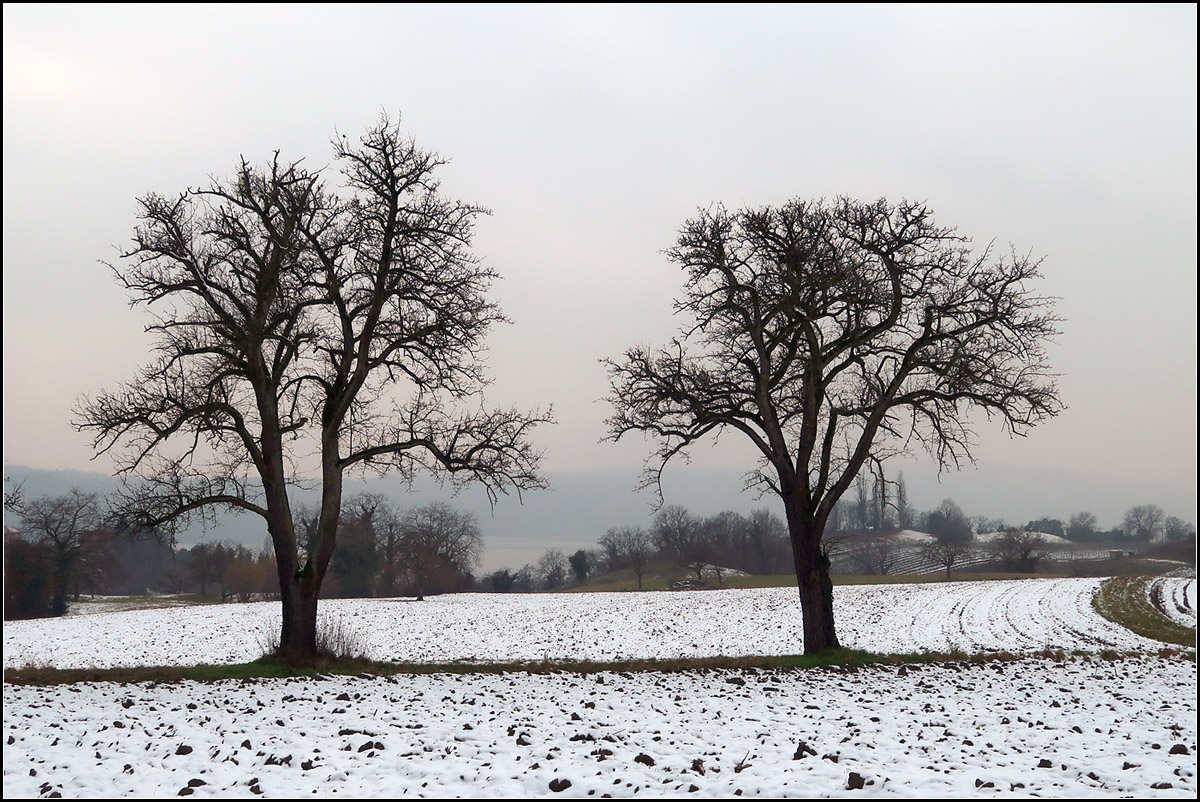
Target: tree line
[74,545]
[878,503]
[728,541]
[862,529]
[1014,548]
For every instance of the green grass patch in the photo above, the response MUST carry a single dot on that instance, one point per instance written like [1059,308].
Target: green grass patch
[843,660]
[616,583]
[1124,566]
[663,578]
[1123,600]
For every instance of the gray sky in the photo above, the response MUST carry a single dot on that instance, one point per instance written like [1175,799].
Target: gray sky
[592,133]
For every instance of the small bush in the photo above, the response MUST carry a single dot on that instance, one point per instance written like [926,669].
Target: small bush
[337,639]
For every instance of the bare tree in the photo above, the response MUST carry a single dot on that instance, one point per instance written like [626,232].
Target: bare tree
[210,562]
[628,546]
[14,494]
[725,539]
[876,554]
[439,547]
[949,523]
[614,547]
[1175,528]
[296,319]
[697,553]
[61,525]
[1082,526]
[674,531]
[551,569]
[947,552]
[98,565]
[1020,550]
[1144,522]
[832,335]
[641,549]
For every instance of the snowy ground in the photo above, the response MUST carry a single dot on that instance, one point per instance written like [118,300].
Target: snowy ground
[1084,727]
[971,616]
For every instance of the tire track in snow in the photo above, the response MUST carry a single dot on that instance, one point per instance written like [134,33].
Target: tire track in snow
[1015,615]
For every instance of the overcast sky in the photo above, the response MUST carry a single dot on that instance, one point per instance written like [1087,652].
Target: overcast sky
[592,133]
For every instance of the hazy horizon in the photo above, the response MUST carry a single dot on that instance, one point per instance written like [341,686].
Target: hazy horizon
[582,505]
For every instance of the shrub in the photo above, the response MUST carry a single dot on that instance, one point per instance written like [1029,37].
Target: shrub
[337,640]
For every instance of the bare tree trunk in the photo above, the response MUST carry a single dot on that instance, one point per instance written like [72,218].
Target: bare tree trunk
[814,582]
[298,592]
[300,589]
[62,578]
[298,636]
[816,599]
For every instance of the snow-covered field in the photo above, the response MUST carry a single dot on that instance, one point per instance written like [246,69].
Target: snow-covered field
[1083,727]
[971,616]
